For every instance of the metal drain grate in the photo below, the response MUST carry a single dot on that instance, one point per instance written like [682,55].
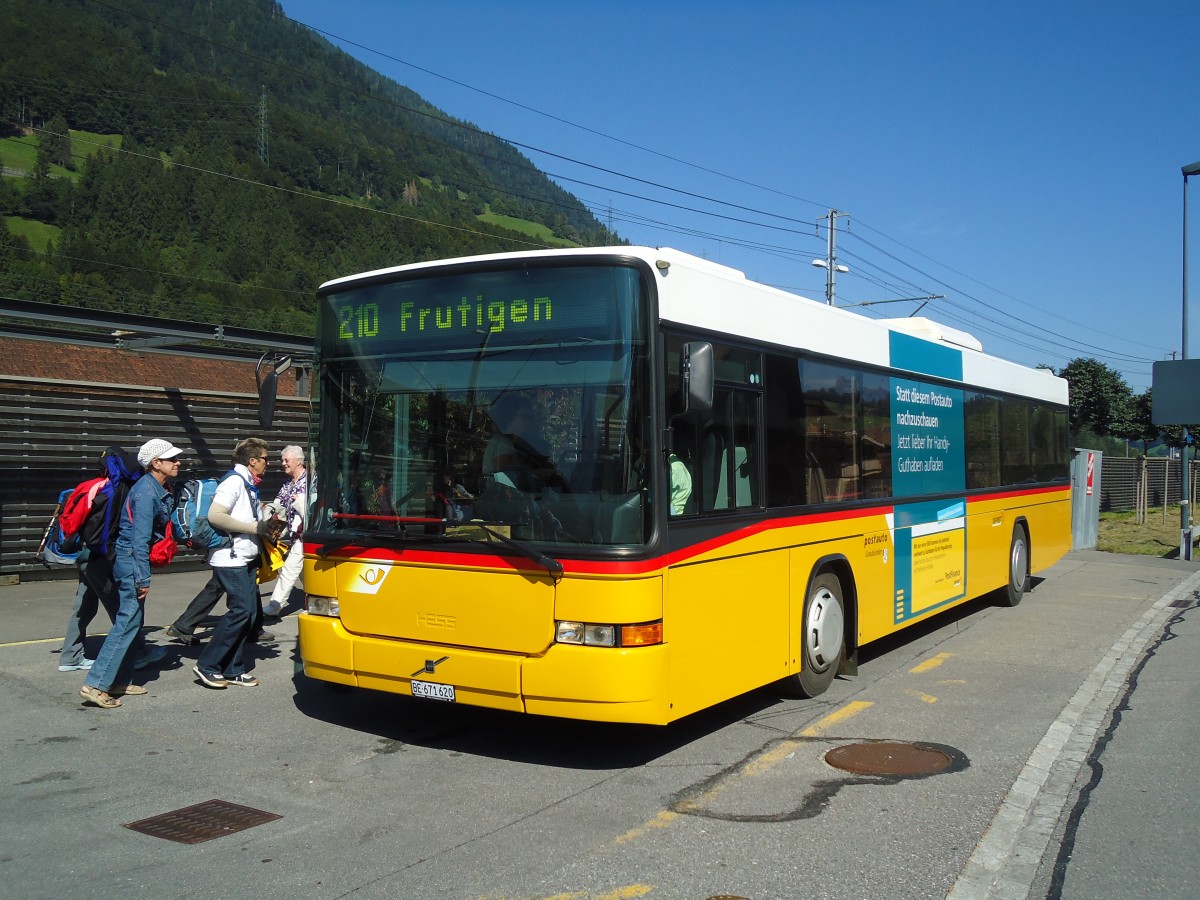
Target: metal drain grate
[1185,602]
[895,758]
[202,822]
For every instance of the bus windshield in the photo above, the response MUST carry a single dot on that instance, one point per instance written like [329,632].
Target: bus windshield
[509,402]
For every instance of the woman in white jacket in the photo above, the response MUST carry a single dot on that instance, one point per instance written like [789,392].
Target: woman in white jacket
[293,500]
[235,510]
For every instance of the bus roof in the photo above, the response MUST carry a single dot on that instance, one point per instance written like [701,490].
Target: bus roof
[689,295]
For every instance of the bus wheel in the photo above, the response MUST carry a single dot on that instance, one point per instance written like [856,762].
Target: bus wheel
[1018,568]
[823,641]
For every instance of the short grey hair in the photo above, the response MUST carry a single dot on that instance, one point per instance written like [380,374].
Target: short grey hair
[292,451]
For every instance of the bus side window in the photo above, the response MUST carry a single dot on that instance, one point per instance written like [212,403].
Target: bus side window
[735,490]
[683,484]
[719,446]
[712,456]
[729,473]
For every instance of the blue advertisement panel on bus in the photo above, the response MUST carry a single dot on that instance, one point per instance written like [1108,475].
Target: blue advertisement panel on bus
[928,457]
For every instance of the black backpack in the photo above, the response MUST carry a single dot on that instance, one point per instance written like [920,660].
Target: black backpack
[103,522]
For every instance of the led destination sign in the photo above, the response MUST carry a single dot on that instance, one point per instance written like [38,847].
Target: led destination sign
[362,320]
[492,314]
[499,308]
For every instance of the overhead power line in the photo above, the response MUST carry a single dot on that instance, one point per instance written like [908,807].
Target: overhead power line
[767,215]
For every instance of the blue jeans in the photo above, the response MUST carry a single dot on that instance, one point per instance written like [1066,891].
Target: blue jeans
[223,652]
[114,662]
[204,602]
[95,588]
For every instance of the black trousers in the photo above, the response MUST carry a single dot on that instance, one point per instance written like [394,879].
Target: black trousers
[202,604]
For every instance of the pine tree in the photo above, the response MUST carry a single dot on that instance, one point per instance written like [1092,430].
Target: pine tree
[58,137]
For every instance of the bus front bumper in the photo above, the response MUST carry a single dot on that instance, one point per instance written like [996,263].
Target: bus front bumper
[593,683]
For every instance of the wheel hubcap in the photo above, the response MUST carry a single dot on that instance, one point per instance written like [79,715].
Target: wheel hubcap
[823,630]
[1018,564]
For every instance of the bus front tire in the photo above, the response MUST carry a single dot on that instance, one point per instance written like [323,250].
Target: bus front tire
[823,639]
[1018,568]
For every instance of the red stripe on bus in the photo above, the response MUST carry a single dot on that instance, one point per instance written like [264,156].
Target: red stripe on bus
[447,557]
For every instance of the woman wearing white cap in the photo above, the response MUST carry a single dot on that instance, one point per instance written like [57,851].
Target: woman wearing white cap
[147,508]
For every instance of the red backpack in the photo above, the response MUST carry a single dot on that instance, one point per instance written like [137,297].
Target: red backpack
[78,505]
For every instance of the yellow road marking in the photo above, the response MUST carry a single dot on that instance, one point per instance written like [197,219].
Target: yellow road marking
[56,640]
[927,698]
[621,893]
[760,764]
[931,663]
[836,718]
[662,820]
[786,747]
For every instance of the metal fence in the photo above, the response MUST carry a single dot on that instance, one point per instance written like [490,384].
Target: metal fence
[53,432]
[1120,479]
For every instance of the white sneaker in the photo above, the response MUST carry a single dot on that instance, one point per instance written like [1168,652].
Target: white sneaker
[82,666]
[272,609]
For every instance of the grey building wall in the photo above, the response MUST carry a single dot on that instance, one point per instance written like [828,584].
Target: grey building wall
[52,434]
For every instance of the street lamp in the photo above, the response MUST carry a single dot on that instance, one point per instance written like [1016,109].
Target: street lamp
[1185,523]
[830,263]
[830,277]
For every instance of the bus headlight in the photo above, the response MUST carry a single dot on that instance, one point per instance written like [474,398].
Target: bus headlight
[322,606]
[596,635]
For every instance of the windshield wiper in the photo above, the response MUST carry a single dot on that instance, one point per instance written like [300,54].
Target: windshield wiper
[361,539]
[545,560]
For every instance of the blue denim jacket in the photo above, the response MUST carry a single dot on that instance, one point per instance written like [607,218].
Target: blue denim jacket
[147,508]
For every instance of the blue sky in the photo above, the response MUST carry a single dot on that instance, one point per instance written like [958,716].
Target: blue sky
[1021,158]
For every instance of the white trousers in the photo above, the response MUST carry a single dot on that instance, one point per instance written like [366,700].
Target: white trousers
[293,565]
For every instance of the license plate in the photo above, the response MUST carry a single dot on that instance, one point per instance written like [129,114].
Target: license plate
[431,691]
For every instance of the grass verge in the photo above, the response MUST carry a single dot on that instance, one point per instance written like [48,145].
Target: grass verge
[1119,532]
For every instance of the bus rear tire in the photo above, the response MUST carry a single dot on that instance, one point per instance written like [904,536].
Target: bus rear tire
[1018,568]
[823,638]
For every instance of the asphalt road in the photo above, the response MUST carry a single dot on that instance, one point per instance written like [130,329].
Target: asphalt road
[1064,729]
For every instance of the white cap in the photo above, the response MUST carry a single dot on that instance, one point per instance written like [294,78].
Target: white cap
[156,449]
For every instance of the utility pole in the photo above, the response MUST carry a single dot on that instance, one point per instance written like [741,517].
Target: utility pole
[263,152]
[830,263]
[1185,515]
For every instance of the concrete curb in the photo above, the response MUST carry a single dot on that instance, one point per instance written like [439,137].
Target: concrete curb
[1006,859]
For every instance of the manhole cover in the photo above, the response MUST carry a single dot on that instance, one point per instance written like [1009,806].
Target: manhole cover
[889,758]
[202,822]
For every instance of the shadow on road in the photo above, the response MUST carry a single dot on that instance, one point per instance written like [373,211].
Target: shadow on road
[540,740]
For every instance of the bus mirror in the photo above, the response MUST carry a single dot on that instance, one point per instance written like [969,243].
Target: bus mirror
[696,376]
[268,385]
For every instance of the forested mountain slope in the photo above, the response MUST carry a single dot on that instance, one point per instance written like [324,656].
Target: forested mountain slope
[212,160]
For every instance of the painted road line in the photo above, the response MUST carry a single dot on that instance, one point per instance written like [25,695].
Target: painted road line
[932,663]
[57,640]
[756,765]
[924,698]
[662,820]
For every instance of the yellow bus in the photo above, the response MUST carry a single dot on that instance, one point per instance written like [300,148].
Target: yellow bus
[625,483]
